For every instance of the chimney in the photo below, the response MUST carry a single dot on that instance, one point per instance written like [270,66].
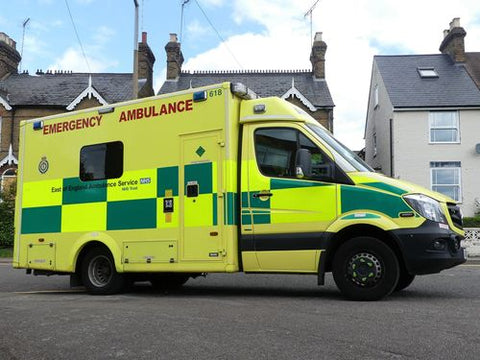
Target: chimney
[174,58]
[317,56]
[146,60]
[453,42]
[9,56]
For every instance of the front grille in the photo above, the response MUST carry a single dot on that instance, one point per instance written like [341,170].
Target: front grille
[455,215]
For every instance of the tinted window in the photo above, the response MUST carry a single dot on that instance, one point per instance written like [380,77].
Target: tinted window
[276,148]
[275,151]
[101,161]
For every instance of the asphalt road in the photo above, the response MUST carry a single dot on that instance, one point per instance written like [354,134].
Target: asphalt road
[225,316]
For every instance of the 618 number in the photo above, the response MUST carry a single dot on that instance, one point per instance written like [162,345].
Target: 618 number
[216,92]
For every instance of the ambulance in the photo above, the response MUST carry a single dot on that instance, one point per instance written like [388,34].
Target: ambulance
[217,180]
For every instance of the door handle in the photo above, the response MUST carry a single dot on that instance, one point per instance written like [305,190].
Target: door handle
[262,194]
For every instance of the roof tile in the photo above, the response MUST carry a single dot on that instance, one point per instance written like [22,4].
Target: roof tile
[263,83]
[406,89]
[62,89]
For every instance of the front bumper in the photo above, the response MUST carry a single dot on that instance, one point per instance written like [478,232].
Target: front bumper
[429,248]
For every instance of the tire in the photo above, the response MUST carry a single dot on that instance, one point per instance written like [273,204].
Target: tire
[404,280]
[169,281]
[99,274]
[365,269]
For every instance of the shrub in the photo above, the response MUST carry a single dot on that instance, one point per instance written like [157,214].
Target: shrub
[471,222]
[7,211]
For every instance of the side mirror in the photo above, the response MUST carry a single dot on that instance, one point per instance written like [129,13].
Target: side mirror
[303,163]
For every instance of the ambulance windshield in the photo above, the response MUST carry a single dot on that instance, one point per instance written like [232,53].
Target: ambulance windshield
[351,161]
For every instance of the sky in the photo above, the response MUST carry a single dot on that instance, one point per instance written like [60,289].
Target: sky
[239,34]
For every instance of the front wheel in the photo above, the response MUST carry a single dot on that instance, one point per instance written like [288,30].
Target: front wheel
[404,281]
[99,274]
[365,268]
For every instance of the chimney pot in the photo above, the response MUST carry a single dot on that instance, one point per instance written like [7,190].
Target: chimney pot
[144,37]
[9,56]
[174,58]
[455,23]
[453,42]
[317,56]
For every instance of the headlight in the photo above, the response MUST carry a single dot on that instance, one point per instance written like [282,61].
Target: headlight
[427,207]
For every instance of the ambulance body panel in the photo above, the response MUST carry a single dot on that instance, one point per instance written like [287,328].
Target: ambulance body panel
[214,180]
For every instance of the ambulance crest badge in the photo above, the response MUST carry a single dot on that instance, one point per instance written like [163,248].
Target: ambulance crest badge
[43,165]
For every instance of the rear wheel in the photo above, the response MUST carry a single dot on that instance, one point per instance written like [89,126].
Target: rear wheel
[169,281]
[99,274]
[365,268]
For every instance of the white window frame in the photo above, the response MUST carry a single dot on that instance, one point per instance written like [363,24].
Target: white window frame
[375,97]
[5,176]
[427,73]
[456,126]
[457,169]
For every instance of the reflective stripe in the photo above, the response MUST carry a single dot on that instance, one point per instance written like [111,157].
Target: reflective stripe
[84,217]
[76,191]
[357,198]
[132,214]
[41,220]
[133,185]
[42,193]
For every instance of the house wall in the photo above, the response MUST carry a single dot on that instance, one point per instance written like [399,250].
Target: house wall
[12,118]
[413,153]
[322,115]
[378,124]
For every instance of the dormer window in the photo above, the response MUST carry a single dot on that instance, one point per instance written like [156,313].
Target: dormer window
[427,73]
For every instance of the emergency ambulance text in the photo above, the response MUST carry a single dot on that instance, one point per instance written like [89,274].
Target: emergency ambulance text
[152,111]
[72,125]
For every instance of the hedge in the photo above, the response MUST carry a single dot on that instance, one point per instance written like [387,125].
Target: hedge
[471,222]
[7,210]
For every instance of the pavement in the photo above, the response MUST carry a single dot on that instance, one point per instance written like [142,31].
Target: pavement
[473,260]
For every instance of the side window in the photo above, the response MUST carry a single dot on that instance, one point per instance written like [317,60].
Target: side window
[101,161]
[322,165]
[276,153]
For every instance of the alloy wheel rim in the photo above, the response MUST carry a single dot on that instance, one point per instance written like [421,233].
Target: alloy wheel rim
[364,270]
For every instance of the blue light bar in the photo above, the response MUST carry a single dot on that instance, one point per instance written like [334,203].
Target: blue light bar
[38,125]
[199,96]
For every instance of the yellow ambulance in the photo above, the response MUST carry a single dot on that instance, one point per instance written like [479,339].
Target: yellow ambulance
[216,180]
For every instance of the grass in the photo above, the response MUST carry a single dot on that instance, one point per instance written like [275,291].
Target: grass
[6,252]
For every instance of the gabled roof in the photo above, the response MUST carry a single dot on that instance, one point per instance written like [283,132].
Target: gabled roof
[406,89]
[5,103]
[9,159]
[62,89]
[472,63]
[263,83]
[88,92]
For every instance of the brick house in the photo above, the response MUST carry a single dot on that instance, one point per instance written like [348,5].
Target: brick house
[24,96]
[307,89]
[423,119]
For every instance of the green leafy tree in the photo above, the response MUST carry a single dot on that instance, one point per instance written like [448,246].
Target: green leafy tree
[7,211]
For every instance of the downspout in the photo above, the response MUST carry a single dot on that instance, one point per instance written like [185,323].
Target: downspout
[13,126]
[391,148]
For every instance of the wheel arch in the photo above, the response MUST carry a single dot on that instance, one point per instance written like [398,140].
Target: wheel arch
[85,247]
[352,231]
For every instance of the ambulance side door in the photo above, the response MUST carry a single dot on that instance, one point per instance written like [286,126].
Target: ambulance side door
[289,208]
